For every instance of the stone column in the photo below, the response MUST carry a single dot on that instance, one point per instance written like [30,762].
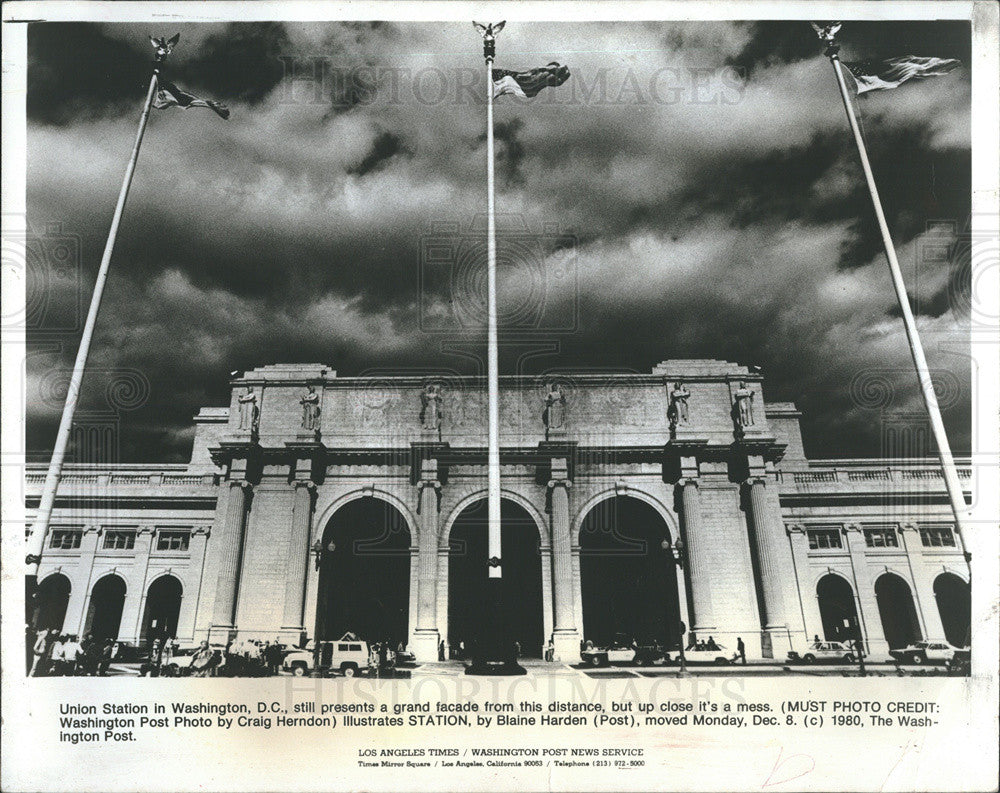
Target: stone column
[768,555]
[298,559]
[425,637]
[699,561]
[565,635]
[232,549]
[193,583]
[76,610]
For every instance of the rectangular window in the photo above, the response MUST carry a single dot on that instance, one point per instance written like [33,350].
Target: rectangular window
[937,537]
[881,538]
[824,538]
[173,540]
[66,539]
[119,540]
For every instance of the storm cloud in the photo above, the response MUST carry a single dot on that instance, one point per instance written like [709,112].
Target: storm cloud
[692,191]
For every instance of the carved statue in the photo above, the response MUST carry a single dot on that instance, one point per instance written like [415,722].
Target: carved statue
[744,405]
[555,408]
[679,395]
[430,410]
[310,409]
[249,413]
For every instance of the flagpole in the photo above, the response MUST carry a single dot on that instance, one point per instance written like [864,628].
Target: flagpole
[39,529]
[498,658]
[954,487]
[492,350]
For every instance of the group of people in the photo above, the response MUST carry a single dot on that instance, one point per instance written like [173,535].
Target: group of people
[246,658]
[56,654]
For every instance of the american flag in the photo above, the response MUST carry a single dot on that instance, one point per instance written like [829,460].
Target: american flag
[881,75]
[169,95]
[528,83]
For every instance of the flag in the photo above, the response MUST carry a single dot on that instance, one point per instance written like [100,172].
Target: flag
[528,83]
[169,95]
[882,75]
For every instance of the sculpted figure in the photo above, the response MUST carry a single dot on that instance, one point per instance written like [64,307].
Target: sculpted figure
[430,411]
[679,395]
[310,409]
[744,405]
[248,409]
[555,407]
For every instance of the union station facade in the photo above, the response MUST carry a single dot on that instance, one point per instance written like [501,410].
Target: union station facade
[638,504]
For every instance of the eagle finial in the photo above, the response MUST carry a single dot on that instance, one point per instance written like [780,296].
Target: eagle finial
[164,46]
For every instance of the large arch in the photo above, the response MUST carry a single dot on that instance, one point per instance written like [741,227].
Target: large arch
[163,609]
[364,572]
[628,575]
[955,607]
[837,608]
[107,601]
[468,598]
[51,601]
[897,610]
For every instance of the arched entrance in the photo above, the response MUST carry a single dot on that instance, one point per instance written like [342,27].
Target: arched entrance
[955,606]
[469,608]
[51,601]
[837,609]
[163,607]
[107,600]
[628,574]
[364,574]
[899,615]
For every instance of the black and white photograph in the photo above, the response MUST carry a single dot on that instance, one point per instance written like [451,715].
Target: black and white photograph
[599,396]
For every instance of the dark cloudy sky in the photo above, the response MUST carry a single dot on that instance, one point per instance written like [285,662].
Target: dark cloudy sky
[704,173]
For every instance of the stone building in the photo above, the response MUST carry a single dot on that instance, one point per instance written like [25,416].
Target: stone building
[640,504]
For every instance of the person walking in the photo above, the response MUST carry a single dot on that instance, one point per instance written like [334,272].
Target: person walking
[741,650]
[71,652]
[272,656]
[106,652]
[89,655]
[155,658]
[441,650]
[40,651]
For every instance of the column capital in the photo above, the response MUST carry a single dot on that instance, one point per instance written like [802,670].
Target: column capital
[308,484]
[755,479]
[92,528]
[794,528]
[241,483]
[554,483]
[907,526]
[854,527]
[424,484]
[197,530]
[684,481]
[145,529]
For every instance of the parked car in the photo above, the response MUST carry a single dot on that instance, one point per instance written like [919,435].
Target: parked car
[300,661]
[822,651]
[348,655]
[924,653]
[700,654]
[649,654]
[128,653]
[615,653]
